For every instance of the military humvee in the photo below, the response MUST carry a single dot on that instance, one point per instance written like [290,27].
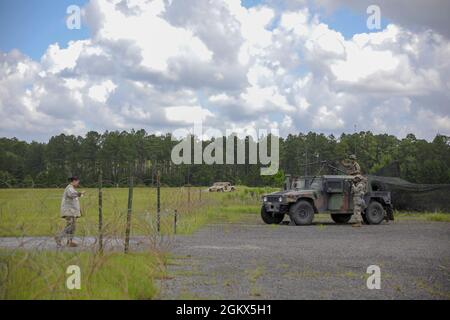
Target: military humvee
[222,187]
[305,196]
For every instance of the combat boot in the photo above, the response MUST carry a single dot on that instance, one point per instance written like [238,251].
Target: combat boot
[58,241]
[71,244]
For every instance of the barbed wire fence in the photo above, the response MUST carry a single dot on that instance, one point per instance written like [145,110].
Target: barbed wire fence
[108,212]
[147,220]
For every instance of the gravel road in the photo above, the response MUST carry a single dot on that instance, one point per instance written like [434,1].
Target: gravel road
[250,260]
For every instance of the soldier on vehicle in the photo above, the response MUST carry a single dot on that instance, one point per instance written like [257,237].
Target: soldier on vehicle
[70,210]
[359,189]
[353,167]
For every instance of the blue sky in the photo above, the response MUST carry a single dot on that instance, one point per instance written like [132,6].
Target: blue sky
[32,25]
[208,61]
[349,22]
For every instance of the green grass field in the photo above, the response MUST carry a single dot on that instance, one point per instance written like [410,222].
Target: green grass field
[423,216]
[35,212]
[114,275]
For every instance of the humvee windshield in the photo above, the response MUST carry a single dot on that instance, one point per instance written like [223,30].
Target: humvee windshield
[299,184]
[302,184]
[316,184]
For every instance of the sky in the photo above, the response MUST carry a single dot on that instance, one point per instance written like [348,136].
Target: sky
[161,65]
[33,25]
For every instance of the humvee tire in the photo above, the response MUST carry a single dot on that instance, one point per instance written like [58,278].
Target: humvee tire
[375,213]
[301,213]
[341,218]
[269,218]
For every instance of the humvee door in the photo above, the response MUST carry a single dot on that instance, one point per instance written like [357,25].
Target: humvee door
[339,195]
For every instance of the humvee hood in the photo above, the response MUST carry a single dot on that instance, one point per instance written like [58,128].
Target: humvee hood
[288,193]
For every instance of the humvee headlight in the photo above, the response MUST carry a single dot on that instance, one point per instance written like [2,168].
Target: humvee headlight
[265,199]
[280,199]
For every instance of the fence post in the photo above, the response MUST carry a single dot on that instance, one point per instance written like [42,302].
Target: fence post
[175,218]
[158,201]
[100,212]
[189,194]
[130,205]
[200,195]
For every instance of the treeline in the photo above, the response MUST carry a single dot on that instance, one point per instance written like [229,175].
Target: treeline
[117,154]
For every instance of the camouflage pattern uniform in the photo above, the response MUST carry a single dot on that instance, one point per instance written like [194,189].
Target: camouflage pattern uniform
[352,166]
[70,210]
[359,189]
[69,230]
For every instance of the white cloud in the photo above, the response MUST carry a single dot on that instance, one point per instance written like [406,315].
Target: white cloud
[160,65]
[187,114]
[361,63]
[57,59]
[102,91]
[328,119]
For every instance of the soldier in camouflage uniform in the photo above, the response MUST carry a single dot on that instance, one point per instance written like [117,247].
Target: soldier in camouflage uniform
[70,210]
[352,166]
[359,189]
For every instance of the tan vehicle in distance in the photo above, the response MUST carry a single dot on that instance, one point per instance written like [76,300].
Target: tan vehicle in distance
[222,187]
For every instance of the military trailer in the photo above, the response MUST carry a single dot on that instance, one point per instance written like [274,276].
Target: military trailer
[303,197]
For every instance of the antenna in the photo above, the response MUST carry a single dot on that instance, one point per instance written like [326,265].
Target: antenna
[306,160]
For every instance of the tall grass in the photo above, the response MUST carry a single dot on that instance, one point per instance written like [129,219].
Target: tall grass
[423,216]
[42,275]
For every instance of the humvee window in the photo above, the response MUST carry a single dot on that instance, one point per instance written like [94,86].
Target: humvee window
[335,186]
[299,184]
[317,184]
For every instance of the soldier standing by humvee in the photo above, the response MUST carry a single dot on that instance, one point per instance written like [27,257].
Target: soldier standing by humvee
[359,189]
[70,210]
[351,165]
